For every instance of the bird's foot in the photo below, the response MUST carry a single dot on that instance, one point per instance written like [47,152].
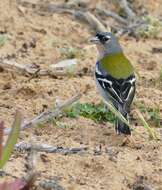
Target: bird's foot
[130,141]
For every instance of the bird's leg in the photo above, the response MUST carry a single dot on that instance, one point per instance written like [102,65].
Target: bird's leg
[129,140]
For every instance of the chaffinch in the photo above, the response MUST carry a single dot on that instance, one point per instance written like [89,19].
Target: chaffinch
[114,75]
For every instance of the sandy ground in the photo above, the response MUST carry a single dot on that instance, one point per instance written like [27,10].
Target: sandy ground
[117,168]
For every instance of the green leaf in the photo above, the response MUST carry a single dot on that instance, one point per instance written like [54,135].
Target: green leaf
[96,112]
[3,40]
[11,141]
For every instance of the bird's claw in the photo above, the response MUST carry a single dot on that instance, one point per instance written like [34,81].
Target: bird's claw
[130,141]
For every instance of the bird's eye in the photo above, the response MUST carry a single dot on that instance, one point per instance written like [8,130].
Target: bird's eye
[106,38]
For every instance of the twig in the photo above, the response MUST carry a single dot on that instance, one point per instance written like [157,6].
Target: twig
[13,66]
[78,3]
[75,4]
[32,71]
[84,16]
[48,149]
[124,5]
[31,162]
[4,173]
[131,23]
[91,19]
[52,8]
[140,184]
[51,184]
[31,158]
[109,13]
[157,50]
[47,115]
[30,178]
[132,28]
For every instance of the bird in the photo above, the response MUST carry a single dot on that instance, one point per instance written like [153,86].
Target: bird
[115,77]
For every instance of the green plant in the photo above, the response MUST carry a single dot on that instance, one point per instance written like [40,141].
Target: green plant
[151,131]
[151,28]
[5,153]
[160,77]
[97,113]
[62,125]
[153,115]
[6,150]
[3,39]
[70,52]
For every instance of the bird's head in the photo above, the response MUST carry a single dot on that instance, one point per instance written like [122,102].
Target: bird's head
[106,43]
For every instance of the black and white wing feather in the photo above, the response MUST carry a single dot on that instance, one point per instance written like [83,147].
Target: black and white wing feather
[119,91]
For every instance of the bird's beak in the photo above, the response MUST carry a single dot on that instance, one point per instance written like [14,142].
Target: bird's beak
[94,40]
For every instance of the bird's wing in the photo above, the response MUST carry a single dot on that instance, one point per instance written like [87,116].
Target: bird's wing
[119,91]
[128,91]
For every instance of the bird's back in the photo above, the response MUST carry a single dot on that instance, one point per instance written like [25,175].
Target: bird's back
[115,90]
[117,65]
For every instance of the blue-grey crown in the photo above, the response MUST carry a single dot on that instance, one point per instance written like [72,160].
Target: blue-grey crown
[104,36]
[109,41]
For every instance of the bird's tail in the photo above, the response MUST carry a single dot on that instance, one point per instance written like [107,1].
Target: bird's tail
[120,126]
